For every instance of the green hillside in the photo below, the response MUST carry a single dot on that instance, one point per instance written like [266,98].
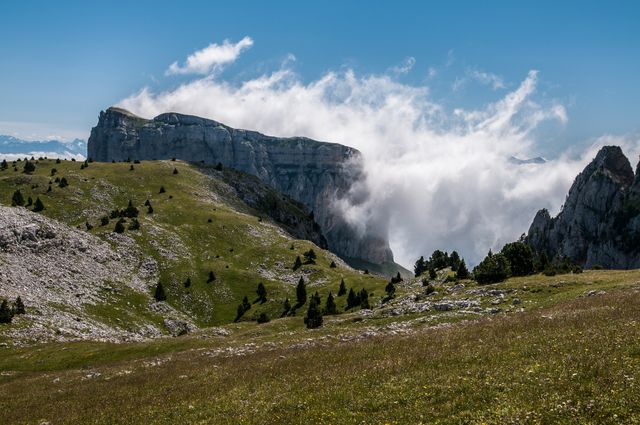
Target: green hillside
[198,225]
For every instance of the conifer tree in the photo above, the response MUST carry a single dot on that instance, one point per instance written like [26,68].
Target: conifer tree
[162,189]
[19,306]
[4,165]
[119,226]
[343,288]
[286,306]
[330,307]
[29,167]
[262,293]
[432,273]
[310,257]
[17,199]
[390,289]
[104,220]
[419,267]
[38,206]
[364,299]
[149,209]
[187,283]
[6,314]
[462,272]
[301,292]
[29,202]
[313,318]
[245,303]
[63,182]
[131,211]
[353,300]
[159,293]
[297,264]
[332,265]
[175,171]
[135,224]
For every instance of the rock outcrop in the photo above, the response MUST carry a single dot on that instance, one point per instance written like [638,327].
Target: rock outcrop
[314,173]
[600,221]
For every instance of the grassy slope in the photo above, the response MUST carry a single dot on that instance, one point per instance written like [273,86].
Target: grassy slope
[235,245]
[567,358]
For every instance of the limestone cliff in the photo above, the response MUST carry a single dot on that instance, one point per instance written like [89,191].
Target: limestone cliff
[600,220]
[314,173]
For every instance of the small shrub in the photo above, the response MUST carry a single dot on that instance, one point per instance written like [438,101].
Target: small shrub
[159,293]
[38,206]
[263,318]
[161,189]
[104,220]
[119,226]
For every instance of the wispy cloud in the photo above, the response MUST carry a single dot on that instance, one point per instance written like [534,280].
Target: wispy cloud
[485,78]
[212,58]
[405,67]
[436,179]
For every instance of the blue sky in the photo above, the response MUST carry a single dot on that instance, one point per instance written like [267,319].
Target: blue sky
[62,62]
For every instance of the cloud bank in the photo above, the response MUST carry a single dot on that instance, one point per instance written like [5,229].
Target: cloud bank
[212,58]
[437,179]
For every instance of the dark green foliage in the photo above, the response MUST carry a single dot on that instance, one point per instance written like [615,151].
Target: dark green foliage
[49,188]
[343,288]
[187,283]
[432,273]
[211,277]
[419,267]
[131,168]
[38,206]
[297,264]
[313,318]
[301,292]
[147,203]
[353,300]
[596,267]
[309,257]
[332,265]
[330,307]
[4,165]
[439,260]
[135,224]
[18,306]
[175,171]
[292,247]
[520,257]
[6,313]
[119,226]
[390,289]
[88,225]
[576,270]
[161,189]
[494,268]
[104,220]
[58,161]
[462,272]
[29,202]
[542,262]
[454,260]
[63,182]
[53,172]
[149,209]
[218,166]
[364,299]
[130,211]
[397,278]
[29,167]
[263,318]
[262,293]
[159,293]
[17,199]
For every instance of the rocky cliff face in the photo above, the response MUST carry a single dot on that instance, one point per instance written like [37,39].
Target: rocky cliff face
[311,172]
[600,220]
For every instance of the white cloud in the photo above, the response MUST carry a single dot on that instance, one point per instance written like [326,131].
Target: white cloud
[405,66]
[436,179]
[485,78]
[212,58]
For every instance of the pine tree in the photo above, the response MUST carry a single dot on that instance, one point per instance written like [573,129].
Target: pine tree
[159,293]
[175,171]
[218,166]
[245,303]
[131,168]
[187,283]
[239,312]
[135,224]
[119,226]
[262,293]
[364,299]
[63,182]
[313,318]
[432,273]
[419,267]
[17,199]
[19,306]
[397,278]
[343,288]
[149,209]
[297,264]
[131,211]
[4,165]
[104,220]
[301,292]
[310,257]
[330,307]
[353,300]
[211,277]
[6,314]
[263,318]
[462,272]
[38,206]
[390,289]
[29,167]
[161,189]
[29,202]
[332,265]
[147,203]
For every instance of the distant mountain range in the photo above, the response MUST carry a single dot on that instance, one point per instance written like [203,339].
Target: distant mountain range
[12,147]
